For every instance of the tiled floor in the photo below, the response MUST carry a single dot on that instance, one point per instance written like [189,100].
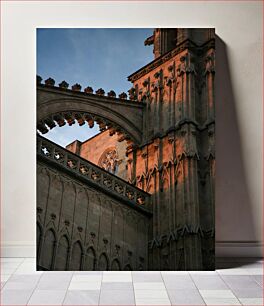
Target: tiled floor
[235,282]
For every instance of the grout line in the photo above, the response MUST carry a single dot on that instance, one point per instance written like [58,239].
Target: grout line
[11,274]
[67,288]
[165,287]
[35,287]
[231,288]
[102,275]
[197,288]
[133,288]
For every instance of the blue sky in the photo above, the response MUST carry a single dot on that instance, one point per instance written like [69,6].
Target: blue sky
[91,57]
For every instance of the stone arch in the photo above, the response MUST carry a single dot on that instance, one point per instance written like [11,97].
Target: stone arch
[103,263]
[48,252]
[62,256]
[61,106]
[116,266]
[76,256]
[90,260]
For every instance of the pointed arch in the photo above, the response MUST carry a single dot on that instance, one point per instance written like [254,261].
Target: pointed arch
[48,249]
[116,266]
[103,263]
[76,256]
[90,260]
[62,256]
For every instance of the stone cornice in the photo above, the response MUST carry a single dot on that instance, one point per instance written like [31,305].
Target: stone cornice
[187,44]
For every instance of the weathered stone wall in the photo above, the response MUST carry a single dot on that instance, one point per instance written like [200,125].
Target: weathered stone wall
[176,161]
[80,228]
[94,148]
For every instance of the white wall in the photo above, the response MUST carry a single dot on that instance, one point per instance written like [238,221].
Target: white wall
[239,107]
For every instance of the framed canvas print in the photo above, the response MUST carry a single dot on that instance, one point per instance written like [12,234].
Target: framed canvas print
[125,149]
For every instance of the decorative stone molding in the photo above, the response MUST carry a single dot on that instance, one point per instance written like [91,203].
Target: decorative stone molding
[64,85]
[76,87]
[111,93]
[91,172]
[50,82]
[100,92]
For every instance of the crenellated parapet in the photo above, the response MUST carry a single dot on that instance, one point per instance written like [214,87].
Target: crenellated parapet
[60,105]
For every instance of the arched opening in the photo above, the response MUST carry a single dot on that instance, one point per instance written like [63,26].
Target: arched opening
[90,260]
[76,257]
[103,264]
[48,250]
[62,255]
[115,265]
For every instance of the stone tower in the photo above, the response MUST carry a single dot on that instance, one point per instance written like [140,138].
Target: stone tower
[176,160]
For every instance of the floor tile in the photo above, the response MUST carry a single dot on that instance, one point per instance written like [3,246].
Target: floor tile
[27,268]
[218,294]
[107,277]
[8,270]
[117,297]
[146,276]
[149,286]
[258,279]
[85,286]
[233,271]
[178,282]
[47,297]
[54,281]
[254,271]
[24,278]
[222,301]
[87,297]
[151,294]
[5,277]
[209,282]
[248,293]
[185,297]
[12,265]
[150,302]
[251,301]
[15,297]
[117,286]
[87,278]
[240,282]
[20,285]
